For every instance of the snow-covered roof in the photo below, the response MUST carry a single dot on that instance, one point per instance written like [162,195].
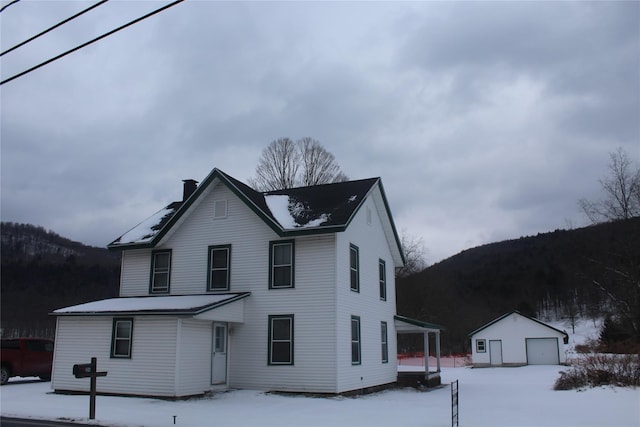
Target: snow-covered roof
[504,316]
[176,305]
[321,208]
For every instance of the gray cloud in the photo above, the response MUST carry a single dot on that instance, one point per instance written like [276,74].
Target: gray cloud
[485,120]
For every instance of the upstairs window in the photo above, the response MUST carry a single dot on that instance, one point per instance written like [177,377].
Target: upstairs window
[121,338]
[219,268]
[382,275]
[281,264]
[354,266]
[160,272]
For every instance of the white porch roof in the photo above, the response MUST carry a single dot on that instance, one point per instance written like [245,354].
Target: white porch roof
[220,307]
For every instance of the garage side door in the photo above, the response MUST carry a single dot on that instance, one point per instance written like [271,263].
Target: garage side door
[542,351]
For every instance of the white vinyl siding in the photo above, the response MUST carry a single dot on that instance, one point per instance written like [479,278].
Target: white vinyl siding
[78,339]
[372,244]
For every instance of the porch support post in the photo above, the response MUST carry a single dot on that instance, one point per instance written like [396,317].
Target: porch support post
[438,349]
[426,354]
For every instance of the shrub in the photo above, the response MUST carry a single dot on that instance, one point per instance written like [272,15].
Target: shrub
[595,369]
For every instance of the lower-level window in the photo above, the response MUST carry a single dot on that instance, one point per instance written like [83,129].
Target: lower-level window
[384,341]
[281,339]
[481,346]
[122,338]
[355,340]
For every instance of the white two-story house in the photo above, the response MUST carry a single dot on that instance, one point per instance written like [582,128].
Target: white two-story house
[289,290]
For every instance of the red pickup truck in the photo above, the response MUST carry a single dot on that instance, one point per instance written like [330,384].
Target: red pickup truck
[25,357]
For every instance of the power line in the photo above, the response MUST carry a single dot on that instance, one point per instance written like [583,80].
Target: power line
[135,21]
[9,4]
[54,27]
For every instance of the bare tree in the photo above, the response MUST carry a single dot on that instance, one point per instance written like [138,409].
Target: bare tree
[277,167]
[621,190]
[287,164]
[414,255]
[318,165]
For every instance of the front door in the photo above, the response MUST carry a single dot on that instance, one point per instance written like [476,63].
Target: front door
[219,354]
[495,352]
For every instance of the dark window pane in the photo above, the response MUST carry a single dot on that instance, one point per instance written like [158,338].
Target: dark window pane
[355,351]
[281,352]
[281,276]
[219,258]
[122,347]
[162,261]
[354,258]
[281,329]
[282,254]
[161,281]
[123,330]
[219,279]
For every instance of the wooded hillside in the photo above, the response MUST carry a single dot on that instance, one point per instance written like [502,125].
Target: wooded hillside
[42,271]
[559,274]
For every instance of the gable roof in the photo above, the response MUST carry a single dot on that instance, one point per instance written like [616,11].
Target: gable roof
[325,208]
[526,317]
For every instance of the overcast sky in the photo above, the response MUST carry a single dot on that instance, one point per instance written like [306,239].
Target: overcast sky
[486,121]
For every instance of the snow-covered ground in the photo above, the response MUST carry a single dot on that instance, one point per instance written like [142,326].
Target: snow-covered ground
[488,397]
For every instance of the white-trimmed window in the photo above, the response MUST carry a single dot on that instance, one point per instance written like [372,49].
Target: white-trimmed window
[160,272]
[122,338]
[356,356]
[219,268]
[481,346]
[281,339]
[281,264]
[382,279]
[384,342]
[354,267]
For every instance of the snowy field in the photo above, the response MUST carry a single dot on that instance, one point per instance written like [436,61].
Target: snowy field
[488,397]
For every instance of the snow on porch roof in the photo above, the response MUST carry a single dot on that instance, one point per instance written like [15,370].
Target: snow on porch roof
[175,305]
[408,325]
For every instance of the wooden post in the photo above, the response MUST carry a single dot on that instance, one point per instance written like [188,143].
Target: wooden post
[92,390]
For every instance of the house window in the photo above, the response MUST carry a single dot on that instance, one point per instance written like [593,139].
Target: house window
[481,346]
[219,209]
[384,342]
[382,275]
[281,271]
[354,263]
[281,339]
[355,340]
[219,268]
[121,338]
[160,272]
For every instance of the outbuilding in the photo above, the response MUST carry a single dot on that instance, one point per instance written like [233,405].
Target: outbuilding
[515,340]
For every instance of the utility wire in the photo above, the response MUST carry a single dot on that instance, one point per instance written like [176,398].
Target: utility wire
[54,27]
[9,4]
[90,42]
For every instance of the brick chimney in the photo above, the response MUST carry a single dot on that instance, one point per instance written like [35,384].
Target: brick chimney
[189,186]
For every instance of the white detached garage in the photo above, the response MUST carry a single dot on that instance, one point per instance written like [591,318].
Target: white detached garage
[515,339]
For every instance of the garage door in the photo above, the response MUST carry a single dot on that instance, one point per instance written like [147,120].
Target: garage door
[542,351]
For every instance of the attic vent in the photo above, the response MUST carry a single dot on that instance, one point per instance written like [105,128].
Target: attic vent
[219,209]
[368,216]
